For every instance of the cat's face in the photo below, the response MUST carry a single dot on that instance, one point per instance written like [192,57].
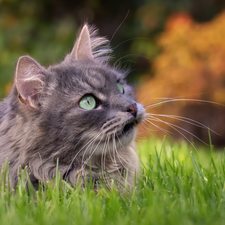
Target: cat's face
[81,104]
[93,102]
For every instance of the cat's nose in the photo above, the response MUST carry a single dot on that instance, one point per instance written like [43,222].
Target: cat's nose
[132,109]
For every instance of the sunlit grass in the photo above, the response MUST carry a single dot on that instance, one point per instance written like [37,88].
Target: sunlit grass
[179,185]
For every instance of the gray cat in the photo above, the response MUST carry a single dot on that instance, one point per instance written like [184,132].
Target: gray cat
[80,111]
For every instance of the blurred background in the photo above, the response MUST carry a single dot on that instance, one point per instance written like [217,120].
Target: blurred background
[175,49]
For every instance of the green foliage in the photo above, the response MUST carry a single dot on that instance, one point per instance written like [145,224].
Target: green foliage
[46,29]
[24,31]
[177,187]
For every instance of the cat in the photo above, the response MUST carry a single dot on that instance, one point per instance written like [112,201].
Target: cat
[80,112]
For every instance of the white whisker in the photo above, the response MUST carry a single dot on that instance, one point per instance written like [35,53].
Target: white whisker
[102,158]
[114,155]
[186,120]
[78,151]
[160,128]
[180,99]
[172,126]
[134,55]
[121,158]
[92,143]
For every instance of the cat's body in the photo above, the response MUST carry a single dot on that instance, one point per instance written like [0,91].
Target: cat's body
[80,111]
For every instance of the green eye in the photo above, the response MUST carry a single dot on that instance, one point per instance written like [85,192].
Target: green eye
[88,102]
[120,87]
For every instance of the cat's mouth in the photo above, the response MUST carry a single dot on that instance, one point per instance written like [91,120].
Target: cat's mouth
[128,127]
[120,129]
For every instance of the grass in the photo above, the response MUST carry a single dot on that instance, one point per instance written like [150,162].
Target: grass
[179,186]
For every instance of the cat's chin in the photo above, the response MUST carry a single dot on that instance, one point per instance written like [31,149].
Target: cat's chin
[117,142]
[128,134]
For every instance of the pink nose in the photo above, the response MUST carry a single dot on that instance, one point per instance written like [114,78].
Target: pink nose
[132,109]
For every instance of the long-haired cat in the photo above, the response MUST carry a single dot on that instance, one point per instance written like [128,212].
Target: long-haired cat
[80,111]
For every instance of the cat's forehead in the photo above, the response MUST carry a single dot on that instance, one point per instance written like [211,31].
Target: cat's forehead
[87,76]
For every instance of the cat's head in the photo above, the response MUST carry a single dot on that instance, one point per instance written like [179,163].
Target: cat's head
[81,104]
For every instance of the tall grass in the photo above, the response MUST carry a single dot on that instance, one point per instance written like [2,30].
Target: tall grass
[179,185]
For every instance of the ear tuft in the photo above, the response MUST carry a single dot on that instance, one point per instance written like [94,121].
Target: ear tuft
[90,46]
[29,80]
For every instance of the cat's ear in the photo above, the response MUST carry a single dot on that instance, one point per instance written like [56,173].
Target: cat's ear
[82,48]
[90,46]
[29,81]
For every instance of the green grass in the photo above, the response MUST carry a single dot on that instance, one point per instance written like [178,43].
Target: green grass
[179,186]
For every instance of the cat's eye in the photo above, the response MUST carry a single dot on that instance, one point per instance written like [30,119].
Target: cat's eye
[120,87]
[88,102]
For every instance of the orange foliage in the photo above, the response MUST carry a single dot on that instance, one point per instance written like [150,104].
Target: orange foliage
[191,63]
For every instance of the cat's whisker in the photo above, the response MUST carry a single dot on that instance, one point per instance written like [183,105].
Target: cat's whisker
[81,137]
[149,92]
[131,39]
[117,154]
[121,173]
[185,120]
[113,147]
[143,127]
[96,147]
[56,154]
[174,127]
[79,151]
[110,154]
[85,164]
[121,158]
[180,99]
[160,128]
[103,164]
[148,128]
[106,177]
[129,55]
[91,144]
[114,155]
[122,147]
[120,25]
[102,158]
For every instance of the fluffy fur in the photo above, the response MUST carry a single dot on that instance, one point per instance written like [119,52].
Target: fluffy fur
[41,120]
